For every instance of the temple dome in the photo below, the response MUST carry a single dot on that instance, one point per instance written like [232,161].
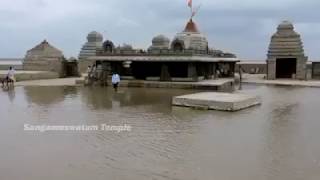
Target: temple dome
[94,36]
[108,46]
[92,46]
[286,42]
[160,42]
[285,25]
[160,39]
[191,27]
[191,38]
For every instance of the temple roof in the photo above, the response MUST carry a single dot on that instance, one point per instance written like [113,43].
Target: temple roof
[191,27]
[44,49]
[156,58]
[95,36]
[286,42]
[285,25]
[160,38]
[43,46]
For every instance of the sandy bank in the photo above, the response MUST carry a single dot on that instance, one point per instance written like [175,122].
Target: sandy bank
[50,82]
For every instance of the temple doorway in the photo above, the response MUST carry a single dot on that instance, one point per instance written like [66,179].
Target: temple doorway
[286,67]
[70,69]
[108,47]
[178,46]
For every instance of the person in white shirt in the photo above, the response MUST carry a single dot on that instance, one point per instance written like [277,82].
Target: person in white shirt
[115,81]
[10,74]
[88,69]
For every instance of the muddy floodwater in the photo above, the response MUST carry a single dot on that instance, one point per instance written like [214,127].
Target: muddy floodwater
[279,140]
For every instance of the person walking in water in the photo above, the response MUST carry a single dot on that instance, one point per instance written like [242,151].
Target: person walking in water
[89,71]
[10,75]
[115,81]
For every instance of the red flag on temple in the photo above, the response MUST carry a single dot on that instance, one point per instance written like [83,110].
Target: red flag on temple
[190,3]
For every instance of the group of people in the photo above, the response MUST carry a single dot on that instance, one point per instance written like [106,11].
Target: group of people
[115,79]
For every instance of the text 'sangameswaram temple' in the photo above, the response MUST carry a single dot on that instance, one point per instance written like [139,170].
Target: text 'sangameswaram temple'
[186,58]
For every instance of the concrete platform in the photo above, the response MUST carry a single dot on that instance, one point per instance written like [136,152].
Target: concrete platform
[217,101]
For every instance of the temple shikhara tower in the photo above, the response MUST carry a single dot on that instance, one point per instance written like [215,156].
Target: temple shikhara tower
[44,57]
[190,38]
[92,46]
[286,58]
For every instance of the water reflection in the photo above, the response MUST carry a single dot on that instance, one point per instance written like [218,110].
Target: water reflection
[284,154]
[277,140]
[10,91]
[49,95]
[106,98]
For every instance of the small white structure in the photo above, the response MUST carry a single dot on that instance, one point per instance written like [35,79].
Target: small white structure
[217,101]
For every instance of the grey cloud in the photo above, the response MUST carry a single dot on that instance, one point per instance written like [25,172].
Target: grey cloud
[243,27]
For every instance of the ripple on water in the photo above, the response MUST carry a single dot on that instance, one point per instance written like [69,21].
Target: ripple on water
[277,140]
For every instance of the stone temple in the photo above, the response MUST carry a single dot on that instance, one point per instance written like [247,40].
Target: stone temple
[187,58]
[286,58]
[44,57]
[92,46]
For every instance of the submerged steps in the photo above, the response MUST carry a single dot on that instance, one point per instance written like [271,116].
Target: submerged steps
[217,101]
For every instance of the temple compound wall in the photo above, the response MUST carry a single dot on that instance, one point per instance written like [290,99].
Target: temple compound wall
[260,67]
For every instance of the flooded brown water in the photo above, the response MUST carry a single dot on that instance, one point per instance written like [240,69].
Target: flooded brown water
[278,140]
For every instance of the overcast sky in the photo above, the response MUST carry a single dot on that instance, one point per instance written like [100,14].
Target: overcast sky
[243,27]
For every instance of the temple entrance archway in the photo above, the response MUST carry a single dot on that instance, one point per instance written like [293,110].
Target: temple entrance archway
[286,67]
[108,47]
[177,46]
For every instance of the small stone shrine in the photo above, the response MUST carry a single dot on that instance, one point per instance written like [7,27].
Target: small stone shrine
[44,57]
[286,58]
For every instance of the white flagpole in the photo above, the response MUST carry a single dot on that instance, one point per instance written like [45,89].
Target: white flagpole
[190,4]
[196,10]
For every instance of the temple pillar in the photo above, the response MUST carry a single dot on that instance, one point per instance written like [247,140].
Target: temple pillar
[165,75]
[301,73]
[192,71]
[271,69]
